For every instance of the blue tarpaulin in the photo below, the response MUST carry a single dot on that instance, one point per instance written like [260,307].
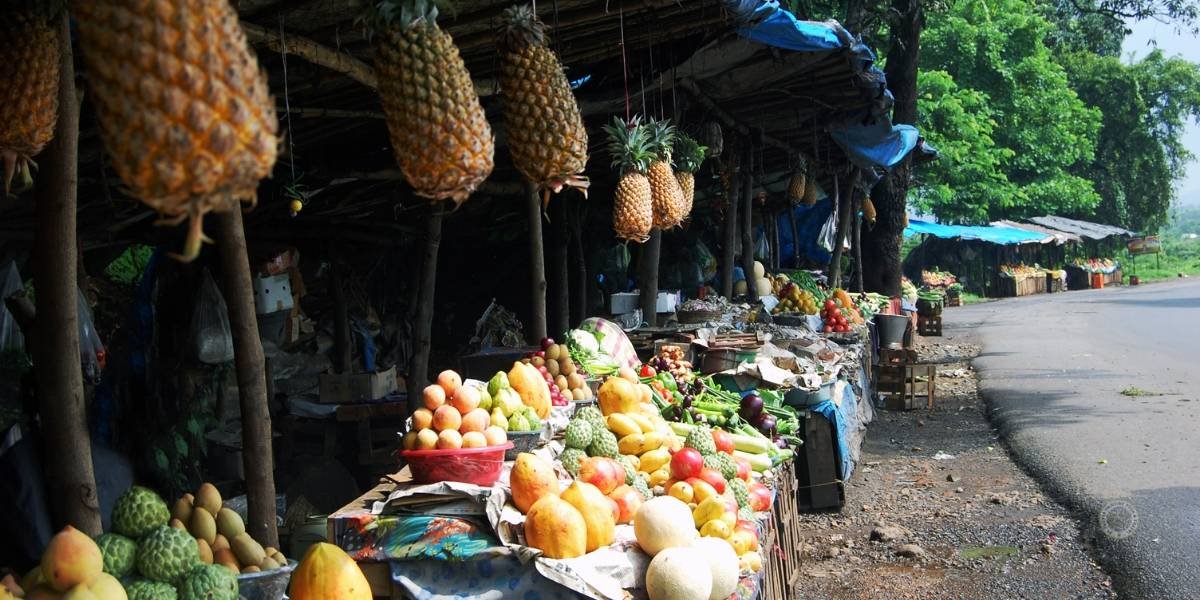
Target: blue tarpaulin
[809,220]
[985,233]
[868,140]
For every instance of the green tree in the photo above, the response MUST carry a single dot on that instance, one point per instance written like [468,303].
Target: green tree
[1140,154]
[968,178]
[1042,129]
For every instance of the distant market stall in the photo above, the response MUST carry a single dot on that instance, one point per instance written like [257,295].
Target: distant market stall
[1092,263]
[995,260]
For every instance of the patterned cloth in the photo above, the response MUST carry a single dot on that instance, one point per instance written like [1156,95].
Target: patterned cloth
[367,537]
[613,341]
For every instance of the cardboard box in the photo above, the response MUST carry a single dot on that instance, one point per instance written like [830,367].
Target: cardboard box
[351,388]
[273,293]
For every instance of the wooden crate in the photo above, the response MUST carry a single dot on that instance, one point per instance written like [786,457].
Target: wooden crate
[901,385]
[897,356]
[818,465]
[953,301]
[929,326]
[782,541]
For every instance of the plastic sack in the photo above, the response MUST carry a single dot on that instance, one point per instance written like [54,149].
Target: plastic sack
[828,236]
[11,339]
[762,250]
[91,351]
[708,262]
[212,340]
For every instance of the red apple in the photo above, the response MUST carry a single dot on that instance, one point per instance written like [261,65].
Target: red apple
[723,440]
[760,497]
[687,463]
[713,477]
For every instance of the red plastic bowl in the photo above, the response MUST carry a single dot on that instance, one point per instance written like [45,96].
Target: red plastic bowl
[480,466]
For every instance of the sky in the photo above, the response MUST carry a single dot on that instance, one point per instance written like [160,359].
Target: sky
[1187,46]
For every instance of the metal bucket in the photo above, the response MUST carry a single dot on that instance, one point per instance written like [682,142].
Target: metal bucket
[891,330]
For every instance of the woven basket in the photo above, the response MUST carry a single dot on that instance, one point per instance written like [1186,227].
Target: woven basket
[692,317]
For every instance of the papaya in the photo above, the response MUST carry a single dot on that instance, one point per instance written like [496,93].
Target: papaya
[618,395]
[597,511]
[555,527]
[328,573]
[532,477]
[531,387]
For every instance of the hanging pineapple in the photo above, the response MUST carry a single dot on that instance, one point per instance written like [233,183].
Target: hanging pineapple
[546,135]
[810,191]
[796,186]
[690,154]
[713,138]
[182,105]
[666,195]
[29,48]
[442,141]
[632,208]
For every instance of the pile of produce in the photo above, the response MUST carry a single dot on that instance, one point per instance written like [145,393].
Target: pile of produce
[908,291]
[1097,265]
[761,431]
[792,299]
[840,313]
[220,534]
[584,349]
[73,565]
[936,278]
[565,381]
[670,359]
[1021,271]
[762,284]
[457,416]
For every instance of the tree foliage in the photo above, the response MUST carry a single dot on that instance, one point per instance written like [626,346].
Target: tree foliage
[991,59]
[1140,153]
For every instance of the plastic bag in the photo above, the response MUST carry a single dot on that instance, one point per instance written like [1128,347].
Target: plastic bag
[828,236]
[91,351]
[708,262]
[212,340]
[11,339]
[762,250]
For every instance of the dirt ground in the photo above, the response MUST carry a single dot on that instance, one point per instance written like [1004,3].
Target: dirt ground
[936,509]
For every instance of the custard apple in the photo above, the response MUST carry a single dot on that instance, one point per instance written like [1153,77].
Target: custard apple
[578,433]
[209,582]
[604,444]
[138,512]
[723,463]
[701,440]
[631,464]
[143,589]
[643,488]
[740,492]
[167,554]
[592,415]
[119,553]
[571,459]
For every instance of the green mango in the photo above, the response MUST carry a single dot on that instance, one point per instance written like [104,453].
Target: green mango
[498,382]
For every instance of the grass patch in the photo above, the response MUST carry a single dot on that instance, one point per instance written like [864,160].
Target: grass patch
[969,298]
[989,552]
[1137,392]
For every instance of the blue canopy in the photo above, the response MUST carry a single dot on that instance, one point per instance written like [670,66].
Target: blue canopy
[868,140]
[984,233]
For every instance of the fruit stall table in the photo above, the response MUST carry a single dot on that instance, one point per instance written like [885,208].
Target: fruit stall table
[410,553]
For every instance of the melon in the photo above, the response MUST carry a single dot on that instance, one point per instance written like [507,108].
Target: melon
[739,288]
[723,562]
[759,271]
[663,522]
[764,286]
[671,575]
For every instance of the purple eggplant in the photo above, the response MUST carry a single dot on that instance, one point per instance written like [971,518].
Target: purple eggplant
[751,408]
[766,424]
[780,443]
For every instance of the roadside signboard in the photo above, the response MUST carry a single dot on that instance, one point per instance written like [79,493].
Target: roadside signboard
[1145,245]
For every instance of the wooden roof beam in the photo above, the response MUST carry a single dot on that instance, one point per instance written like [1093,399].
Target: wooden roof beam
[693,90]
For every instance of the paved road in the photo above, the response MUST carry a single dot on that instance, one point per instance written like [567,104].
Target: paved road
[1053,369]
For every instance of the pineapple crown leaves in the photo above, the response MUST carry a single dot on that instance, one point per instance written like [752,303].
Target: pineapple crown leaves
[662,138]
[520,27]
[689,153]
[387,14]
[628,143]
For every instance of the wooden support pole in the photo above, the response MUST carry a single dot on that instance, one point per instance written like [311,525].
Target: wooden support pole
[795,236]
[579,276]
[70,479]
[747,219]
[257,458]
[422,320]
[730,237]
[560,313]
[341,318]
[537,265]
[845,199]
[648,260]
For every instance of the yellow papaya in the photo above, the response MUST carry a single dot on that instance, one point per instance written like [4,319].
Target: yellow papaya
[618,395]
[328,573]
[531,387]
[555,527]
[597,512]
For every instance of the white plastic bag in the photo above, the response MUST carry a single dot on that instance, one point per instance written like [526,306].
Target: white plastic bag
[212,339]
[91,350]
[828,236]
[11,339]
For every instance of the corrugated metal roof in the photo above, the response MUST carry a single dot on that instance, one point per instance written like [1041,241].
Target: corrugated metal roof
[1095,231]
[1055,236]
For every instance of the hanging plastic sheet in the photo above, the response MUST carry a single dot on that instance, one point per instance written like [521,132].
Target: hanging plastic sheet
[212,338]
[92,355]
[11,339]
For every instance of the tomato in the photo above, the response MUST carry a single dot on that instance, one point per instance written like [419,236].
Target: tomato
[647,371]
[827,329]
[829,305]
[687,463]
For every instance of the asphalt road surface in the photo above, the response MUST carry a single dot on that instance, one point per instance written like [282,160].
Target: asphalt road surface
[1097,393]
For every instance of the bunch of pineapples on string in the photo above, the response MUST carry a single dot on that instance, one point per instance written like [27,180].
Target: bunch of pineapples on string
[441,139]
[629,145]
[29,74]
[689,155]
[665,193]
[546,135]
[182,105]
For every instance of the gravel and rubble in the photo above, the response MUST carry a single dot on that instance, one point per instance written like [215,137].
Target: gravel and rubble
[937,509]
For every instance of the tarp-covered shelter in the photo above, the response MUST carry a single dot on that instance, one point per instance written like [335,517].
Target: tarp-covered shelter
[994,234]
[1052,235]
[1092,231]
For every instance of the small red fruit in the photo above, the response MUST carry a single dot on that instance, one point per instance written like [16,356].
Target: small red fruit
[723,440]
[687,462]
[743,468]
[760,497]
[713,477]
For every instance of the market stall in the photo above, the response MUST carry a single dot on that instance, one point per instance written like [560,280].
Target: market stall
[1092,264]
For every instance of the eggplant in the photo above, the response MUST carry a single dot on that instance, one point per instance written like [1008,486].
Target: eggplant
[781,443]
[766,424]
[751,408]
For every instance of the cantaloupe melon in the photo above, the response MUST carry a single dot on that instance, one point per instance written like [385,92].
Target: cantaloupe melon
[723,562]
[672,575]
[663,522]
